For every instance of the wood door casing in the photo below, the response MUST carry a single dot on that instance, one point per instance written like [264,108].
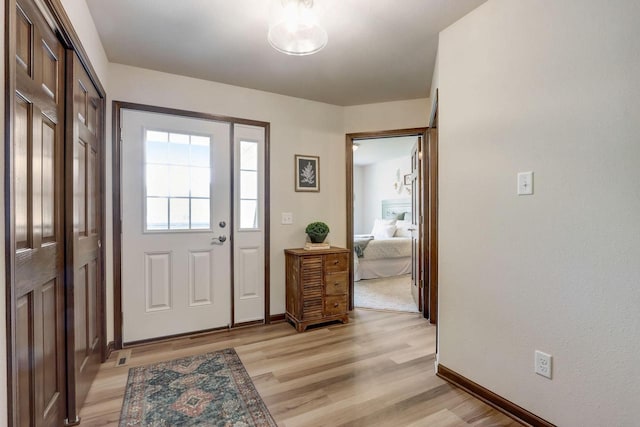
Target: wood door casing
[83,157]
[432,230]
[38,221]
[349,139]
[416,223]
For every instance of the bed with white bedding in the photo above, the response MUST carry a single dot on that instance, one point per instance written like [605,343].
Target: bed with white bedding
[386,251]
[383,258]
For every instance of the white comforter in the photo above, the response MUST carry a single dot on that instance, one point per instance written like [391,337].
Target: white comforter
[394,247]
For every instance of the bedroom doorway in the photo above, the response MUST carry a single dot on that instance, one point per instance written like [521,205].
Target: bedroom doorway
[385,211]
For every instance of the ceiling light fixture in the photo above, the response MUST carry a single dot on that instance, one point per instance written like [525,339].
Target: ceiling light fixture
[294,28]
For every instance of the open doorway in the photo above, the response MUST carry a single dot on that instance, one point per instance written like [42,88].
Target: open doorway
[383,224]
[385,212]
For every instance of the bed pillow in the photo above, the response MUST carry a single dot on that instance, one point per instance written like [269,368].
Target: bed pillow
[402,229]
[384,231]
[383,228]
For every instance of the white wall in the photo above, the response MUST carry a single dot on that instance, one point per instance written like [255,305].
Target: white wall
[82,21]
[378,184]
[387,116]
[550,87]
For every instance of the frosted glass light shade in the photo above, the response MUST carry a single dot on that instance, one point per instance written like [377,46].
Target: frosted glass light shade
[294,28]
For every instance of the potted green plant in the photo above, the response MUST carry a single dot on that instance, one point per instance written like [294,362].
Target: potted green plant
[317,231]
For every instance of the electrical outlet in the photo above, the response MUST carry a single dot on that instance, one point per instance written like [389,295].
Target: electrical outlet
[543,364]
[287,218]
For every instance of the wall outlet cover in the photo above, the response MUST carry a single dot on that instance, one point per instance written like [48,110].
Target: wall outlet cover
[543,364]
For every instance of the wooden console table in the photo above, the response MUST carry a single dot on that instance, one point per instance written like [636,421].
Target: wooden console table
[317,286]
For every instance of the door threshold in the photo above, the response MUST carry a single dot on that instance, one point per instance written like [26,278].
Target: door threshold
[174,337]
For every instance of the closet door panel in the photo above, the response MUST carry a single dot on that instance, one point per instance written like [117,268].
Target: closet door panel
[84,157]
[37,221]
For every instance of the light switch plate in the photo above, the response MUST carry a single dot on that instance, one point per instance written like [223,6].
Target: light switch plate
[287,218]
[525,183]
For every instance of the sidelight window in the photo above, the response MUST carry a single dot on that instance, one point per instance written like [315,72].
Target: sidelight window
[248,185]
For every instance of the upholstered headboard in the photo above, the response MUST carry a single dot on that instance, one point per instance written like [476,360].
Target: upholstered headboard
[391,208]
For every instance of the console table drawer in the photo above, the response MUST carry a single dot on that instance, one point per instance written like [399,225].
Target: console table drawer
[335,305]
[336,283]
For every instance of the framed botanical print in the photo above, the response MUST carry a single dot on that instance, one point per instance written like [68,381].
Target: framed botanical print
[307,173]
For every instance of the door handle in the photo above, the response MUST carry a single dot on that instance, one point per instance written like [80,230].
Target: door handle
[218,240]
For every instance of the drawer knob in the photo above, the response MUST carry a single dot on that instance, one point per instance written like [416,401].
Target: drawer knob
[336,284]
[336,262]
[335,304]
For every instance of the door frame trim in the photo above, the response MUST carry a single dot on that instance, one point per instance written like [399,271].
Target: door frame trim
[426,255]
[58,18]
[433,213]
[116,175]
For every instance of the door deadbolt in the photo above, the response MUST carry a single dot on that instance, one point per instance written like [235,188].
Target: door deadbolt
[222,224]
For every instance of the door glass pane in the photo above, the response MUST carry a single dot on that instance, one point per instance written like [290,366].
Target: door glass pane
[179,138]
[157,180]
[200,215]
[179,181]
[179,214]
[200,146]
[248,185]
[200,182]
[156,136]
[248,155]
[248,214]
[177,170]
[179,153]
[157,152]
[157,213]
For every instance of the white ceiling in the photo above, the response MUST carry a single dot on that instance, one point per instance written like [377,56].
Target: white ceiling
[376,150]
[378,50]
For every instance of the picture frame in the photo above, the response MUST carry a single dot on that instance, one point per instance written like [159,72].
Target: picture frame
[307,173]
[407,179]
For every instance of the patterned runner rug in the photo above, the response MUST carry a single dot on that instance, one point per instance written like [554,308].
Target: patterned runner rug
[211,389]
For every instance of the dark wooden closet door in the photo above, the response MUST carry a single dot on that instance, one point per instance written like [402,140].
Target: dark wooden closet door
[83,157]
[37,181]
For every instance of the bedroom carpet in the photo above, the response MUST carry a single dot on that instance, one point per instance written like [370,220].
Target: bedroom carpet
[387,293]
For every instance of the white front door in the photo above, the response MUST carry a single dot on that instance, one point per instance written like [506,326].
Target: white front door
[176,267]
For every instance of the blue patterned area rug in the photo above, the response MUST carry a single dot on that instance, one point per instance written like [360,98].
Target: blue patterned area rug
[211,389]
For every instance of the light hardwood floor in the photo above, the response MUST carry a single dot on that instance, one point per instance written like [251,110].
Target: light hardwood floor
[378,370]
